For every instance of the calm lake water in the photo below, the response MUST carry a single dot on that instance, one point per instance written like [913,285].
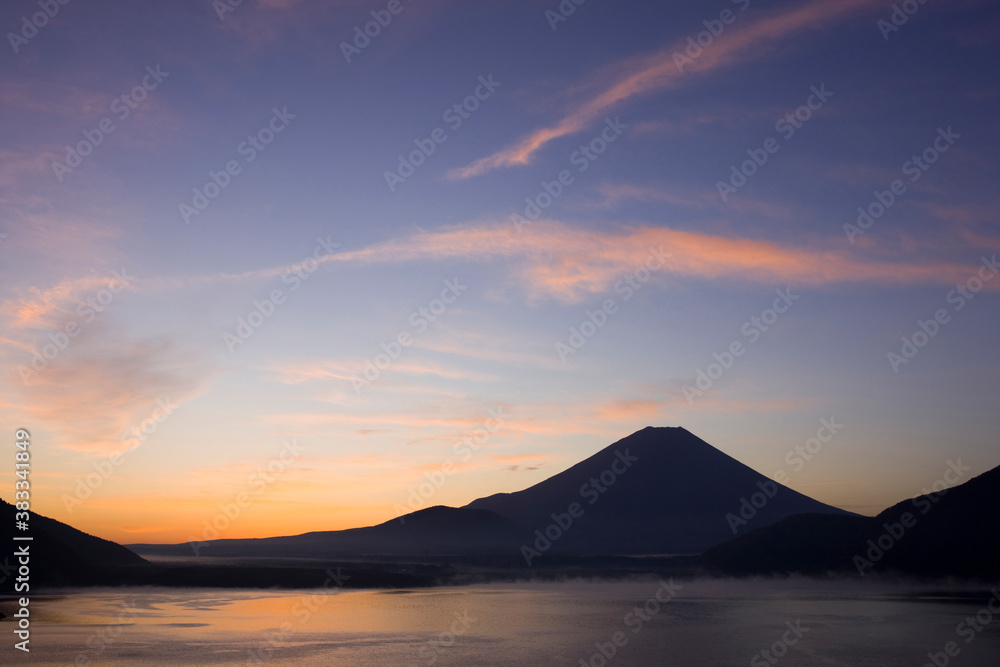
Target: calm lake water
[704,623]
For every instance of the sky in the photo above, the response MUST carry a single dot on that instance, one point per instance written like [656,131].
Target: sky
[287,265]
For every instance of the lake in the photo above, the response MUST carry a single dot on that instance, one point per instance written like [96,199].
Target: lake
[705,622]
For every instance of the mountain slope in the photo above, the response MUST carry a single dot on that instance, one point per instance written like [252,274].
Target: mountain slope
[669,492]
[62,555]
[956,532]
[952,533]
[805,543]
[436,530]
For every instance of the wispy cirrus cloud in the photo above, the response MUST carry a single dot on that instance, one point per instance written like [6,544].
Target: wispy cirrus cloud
[555,260]
[51,307]
[92,393]
[552,259]
[345,370]
[659,71]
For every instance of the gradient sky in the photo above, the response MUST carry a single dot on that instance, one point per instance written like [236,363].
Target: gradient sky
[676,128]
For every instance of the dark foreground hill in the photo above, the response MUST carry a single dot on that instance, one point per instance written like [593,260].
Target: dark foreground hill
[954,533]
[60,555]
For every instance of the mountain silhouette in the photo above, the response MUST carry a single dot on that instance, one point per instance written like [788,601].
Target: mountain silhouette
[677,495]
[61,555]
[658,491]
[955,532]
[435,530]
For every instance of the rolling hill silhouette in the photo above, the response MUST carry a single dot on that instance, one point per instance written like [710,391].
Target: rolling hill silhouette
[61,555]
[951,533]
[436,530]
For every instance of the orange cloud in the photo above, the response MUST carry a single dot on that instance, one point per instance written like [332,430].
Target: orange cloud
[658,72]
[46,309]
[554,260]
[90,395]
[330,369]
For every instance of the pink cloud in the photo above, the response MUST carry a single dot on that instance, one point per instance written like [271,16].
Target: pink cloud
[659,71]
[554,260]
[99,387]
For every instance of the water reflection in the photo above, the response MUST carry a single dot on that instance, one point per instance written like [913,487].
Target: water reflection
[582,623]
